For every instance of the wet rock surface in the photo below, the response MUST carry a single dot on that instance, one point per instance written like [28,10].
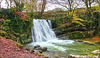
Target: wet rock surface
[38,47]
[63,37]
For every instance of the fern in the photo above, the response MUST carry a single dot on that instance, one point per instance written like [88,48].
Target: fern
[78,23]
[74,19]
[79,19]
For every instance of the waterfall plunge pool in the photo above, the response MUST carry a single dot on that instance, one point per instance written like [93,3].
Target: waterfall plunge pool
[75,48]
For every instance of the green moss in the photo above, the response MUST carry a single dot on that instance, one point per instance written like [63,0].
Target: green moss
[80,35]
[75,35]
[80,48]
[87,35]
[98,42]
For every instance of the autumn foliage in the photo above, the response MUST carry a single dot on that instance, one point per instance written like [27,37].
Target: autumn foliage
[8,49]
[23,15]
[96,38]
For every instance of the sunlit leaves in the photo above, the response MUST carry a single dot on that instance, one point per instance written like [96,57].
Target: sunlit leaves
[98,8]
[78,23]
[74,19]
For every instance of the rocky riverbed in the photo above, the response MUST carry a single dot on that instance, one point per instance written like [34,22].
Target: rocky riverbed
[56,54]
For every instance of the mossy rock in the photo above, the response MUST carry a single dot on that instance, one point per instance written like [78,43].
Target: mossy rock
[28,40]
[87,35]
[79,35]
[75,35]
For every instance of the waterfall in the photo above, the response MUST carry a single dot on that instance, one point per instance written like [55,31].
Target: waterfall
[42,31]
[43,35]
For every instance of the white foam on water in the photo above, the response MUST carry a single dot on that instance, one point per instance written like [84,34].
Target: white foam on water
[49,46]
[53,44]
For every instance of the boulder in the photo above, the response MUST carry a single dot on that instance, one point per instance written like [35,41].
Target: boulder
[37,47]
[32,51]
[44,49]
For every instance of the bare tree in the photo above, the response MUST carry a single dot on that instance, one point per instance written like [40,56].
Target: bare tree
[98,2]
[69,4]
[7,3]
[30,5]
[19,4]
[11,1]
[88,3]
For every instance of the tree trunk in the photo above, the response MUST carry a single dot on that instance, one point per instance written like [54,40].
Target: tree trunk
[70,9]
[7,4]
[43,8]
[10,3]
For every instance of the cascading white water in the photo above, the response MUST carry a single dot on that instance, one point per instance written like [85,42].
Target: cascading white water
[43,35]
[42,31]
